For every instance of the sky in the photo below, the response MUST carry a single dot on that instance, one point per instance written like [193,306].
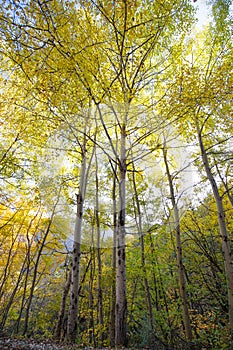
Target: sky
[202,12]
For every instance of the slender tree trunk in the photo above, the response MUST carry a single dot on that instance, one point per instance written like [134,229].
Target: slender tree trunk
[121,301]
[6,272]
[34,278]
[113,288]
[22,272]
[30,260]
[72,326]
[23,301]
[27,312]
[61,316]
[76,256]
[143,263]
[91,304]
[10,302]
[226,249]
[179,256]
[155,282]
[10,256]
[99,261]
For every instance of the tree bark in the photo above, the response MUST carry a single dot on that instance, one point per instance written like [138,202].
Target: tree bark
[72,325]
[91,295]
[99,261]
[61,316]
[75,275]
[121,301]
[113,287]
[179,255]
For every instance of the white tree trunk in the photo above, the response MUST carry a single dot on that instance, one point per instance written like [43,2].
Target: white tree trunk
[121,301]
[75,272]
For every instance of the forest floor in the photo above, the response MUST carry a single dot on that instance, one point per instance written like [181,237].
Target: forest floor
[33,344]
[30,344]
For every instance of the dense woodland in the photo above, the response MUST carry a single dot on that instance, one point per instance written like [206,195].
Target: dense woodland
[116,202]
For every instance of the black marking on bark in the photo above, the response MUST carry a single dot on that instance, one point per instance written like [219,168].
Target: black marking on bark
[121,218]
[123,254]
